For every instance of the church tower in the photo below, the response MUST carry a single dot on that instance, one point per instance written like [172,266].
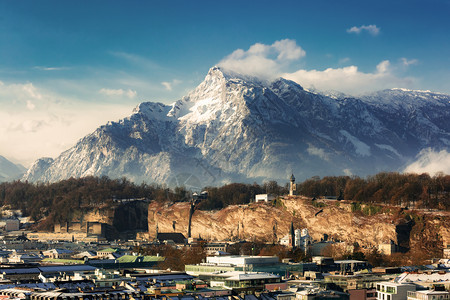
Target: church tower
[292,186]
[292,236]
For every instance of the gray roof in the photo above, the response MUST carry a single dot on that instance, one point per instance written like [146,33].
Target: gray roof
[67,268]
[11,271]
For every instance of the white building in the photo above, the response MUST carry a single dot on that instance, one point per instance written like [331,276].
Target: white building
[425,279]
[393,290]
[302,238]
[264,198]
[429,295]
[285,240]
[238,260]
[58,253]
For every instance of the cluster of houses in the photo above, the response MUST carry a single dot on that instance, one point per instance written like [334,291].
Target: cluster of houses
[222,277]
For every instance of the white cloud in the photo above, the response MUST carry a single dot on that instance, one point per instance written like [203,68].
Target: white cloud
[349,79]
[53,124]
[263,60]
[383,67]
[41,68]
[347,172]
[30,105]
[270,61]
[137,60]
[344,60]
[169,85]
[431,162]
[372,29]
[118,93]
[318,152]
[407,62]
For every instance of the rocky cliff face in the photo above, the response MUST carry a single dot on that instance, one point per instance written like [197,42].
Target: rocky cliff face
[268,223]
[124,220]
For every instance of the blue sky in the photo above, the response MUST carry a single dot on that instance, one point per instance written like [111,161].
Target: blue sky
[67,67]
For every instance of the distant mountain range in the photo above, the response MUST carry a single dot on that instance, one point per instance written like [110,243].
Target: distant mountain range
[10,171]
[239,128]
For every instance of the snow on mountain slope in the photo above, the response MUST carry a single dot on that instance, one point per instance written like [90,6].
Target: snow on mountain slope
[240,128]
[9,170]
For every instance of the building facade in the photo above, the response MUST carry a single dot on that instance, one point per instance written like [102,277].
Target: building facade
[393,291]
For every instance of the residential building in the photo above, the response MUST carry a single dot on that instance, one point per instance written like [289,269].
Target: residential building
[363,294]
[216,248]
[12,225]
[429,295]
[108,253]
[320,294]
[85,255]
[393,290]
[58,253]
[426,279]
[23,258]
[355,282]
[285,240]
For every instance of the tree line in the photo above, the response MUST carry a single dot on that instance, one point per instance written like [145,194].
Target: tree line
[59,201]
[420,190]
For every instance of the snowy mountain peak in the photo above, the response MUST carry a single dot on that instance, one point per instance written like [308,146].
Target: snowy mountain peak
[152,110]
[38,169]
[234,127]
[232,76]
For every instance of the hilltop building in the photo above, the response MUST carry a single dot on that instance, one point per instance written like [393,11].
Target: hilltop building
[292,186]
[264,198]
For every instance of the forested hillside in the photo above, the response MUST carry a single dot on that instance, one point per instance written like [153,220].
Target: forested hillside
[422,190]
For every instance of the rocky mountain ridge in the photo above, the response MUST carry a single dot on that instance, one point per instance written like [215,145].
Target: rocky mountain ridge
[240,128]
